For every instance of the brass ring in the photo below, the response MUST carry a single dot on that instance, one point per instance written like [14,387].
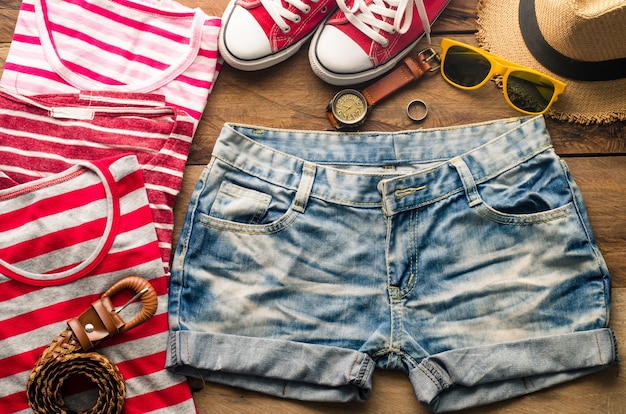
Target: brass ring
[420,113]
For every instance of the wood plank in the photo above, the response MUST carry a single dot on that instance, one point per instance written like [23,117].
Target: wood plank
[8,17]
[458,17]
[4,49]
[10,4]
[291,96]
[601,181]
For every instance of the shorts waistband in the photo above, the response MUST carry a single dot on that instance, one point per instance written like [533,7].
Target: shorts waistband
[374,168]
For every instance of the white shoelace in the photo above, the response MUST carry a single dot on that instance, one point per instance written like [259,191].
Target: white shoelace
[281,15]
[363,16]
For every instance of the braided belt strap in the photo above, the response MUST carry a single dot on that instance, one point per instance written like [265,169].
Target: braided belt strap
[67,355]
[63,360]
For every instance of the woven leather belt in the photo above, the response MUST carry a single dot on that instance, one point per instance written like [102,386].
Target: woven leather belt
[67,355]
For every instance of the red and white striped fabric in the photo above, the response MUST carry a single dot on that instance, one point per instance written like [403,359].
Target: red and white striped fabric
[148,46]
[43,135]
[66,238]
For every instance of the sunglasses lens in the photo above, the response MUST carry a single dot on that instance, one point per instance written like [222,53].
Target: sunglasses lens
[465,67]
[529,92]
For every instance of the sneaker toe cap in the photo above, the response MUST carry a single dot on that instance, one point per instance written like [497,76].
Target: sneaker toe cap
[338,53]
[243,36]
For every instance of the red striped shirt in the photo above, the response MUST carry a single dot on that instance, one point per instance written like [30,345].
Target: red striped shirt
[67,46]
[87,189]
[55,261]
[43,135]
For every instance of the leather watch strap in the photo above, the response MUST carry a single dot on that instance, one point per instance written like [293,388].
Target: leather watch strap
[412,68]
[331,118]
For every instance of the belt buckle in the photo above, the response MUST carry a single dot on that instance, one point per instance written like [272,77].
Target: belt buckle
[102,320]
[432,57]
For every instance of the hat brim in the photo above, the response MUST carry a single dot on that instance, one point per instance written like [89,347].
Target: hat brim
[584,102]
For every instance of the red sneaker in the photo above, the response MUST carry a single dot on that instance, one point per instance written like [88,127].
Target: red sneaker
[366,38]
[257,34]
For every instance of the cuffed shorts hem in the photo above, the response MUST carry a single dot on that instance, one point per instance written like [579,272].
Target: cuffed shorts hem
[502,371]
[275,367]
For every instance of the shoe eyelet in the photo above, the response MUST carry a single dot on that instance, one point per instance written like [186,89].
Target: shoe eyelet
[308,9]
[297,19]
[324,9]
[286,29]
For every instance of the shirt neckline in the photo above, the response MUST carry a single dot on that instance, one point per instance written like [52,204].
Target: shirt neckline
[78,81]
[104,244]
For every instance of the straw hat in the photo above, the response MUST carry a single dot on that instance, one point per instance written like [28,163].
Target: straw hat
[582,42]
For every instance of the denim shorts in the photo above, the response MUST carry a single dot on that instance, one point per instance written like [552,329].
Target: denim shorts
[461,255]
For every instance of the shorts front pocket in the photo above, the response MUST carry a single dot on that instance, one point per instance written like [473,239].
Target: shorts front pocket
[243,205]
[535,191]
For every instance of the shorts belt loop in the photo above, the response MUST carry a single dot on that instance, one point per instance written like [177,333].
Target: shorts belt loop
[304,189]
[471,191]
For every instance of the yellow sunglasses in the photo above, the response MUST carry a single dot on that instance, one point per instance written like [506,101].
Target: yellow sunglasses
[525,89]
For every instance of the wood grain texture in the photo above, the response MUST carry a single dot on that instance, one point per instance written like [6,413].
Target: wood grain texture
[291,96]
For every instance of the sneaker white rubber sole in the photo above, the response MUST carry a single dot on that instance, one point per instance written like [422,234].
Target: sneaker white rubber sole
[354,78]
[347,79]
[260,63]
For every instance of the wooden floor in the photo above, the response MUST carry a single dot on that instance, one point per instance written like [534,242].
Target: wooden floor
[291,96]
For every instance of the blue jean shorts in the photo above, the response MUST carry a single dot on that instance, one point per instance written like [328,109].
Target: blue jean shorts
[461,255]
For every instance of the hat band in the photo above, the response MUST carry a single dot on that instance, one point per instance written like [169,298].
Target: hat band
[558,63]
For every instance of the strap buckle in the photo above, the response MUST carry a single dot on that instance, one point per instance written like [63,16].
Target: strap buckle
[432,57]
[102,320]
